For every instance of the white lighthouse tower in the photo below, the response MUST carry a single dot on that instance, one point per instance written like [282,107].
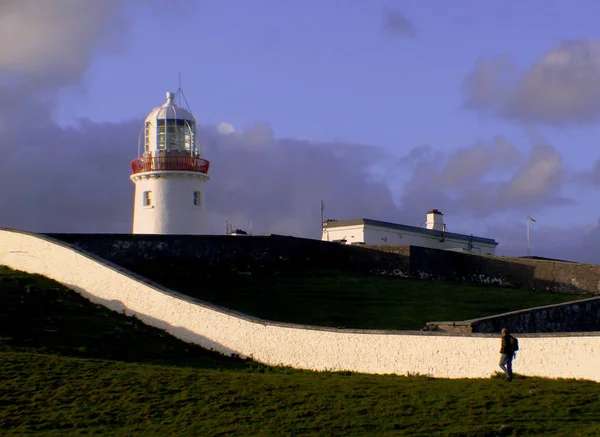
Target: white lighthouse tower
[169,174]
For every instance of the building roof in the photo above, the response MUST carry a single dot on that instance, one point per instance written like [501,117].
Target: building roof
[170,110]
[423,231]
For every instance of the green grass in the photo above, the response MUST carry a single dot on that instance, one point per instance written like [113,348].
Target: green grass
[40,315]
[331,298]
[56,380]
[51,396]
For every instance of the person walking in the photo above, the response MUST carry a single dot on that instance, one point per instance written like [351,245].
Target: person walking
[507,349]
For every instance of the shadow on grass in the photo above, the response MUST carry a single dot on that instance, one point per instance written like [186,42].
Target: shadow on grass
[42,316]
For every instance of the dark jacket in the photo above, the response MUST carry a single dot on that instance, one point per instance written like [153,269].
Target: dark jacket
[506,347]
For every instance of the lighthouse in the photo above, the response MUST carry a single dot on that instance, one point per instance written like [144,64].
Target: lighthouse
[169,174]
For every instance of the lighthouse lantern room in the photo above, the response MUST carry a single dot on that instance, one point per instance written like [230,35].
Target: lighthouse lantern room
[169,174]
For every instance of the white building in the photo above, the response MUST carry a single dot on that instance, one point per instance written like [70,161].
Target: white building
[169,174]
[434,235]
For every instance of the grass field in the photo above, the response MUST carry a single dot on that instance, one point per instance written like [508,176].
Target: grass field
[331,298]
[40,315]
[57,380]
[49,395]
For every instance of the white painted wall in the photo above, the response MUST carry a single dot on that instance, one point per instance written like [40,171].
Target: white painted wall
[352,234]
[369,234]
[172,210]
[474,356]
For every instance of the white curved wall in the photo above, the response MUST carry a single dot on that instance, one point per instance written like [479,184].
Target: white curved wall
[474,356]
[172,210]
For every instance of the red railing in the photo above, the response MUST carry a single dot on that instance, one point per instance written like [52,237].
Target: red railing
[180,163]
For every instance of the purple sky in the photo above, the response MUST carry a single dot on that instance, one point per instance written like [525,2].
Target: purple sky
[383,109]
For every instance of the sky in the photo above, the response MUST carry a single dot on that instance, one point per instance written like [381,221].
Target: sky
[383,109]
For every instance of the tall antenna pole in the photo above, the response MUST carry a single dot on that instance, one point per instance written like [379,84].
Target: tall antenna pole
[179,89]
[528,239]
[322,217]
[529,220]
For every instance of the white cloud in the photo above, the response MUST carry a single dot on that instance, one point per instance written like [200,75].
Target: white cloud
[56,39]
[461,180]
[562,87]
[225,128]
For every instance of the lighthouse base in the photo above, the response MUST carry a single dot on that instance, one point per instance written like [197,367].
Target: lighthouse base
[169,203]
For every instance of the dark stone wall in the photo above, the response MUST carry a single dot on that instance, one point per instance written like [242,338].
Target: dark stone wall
[579,316]
[404,261]
[239,251]
[528,273]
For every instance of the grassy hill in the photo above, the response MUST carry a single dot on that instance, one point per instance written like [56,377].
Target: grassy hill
[340,299]
[72,368]
[39,315]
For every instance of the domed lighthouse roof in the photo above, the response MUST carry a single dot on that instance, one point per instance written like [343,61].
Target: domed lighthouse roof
[170,111]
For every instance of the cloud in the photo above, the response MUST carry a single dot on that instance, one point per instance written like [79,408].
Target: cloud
[560,88]
[225,128]
[278,183]
[488,178]
[55,40]
[589,177]
[397,23]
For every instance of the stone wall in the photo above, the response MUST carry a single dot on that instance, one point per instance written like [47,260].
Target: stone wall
[579,316]
[404,261]
[528,273]
[322,349]
[239,251]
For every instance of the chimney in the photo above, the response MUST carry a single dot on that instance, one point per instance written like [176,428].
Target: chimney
[435,220]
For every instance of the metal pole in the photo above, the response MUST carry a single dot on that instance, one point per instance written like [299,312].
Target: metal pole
[179,90]
[322,219]
[528,239]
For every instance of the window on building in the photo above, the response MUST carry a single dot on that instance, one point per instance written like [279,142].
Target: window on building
[161,138]
[147,137]
[147,198]
[188,139]
[198,198]
[175,134]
